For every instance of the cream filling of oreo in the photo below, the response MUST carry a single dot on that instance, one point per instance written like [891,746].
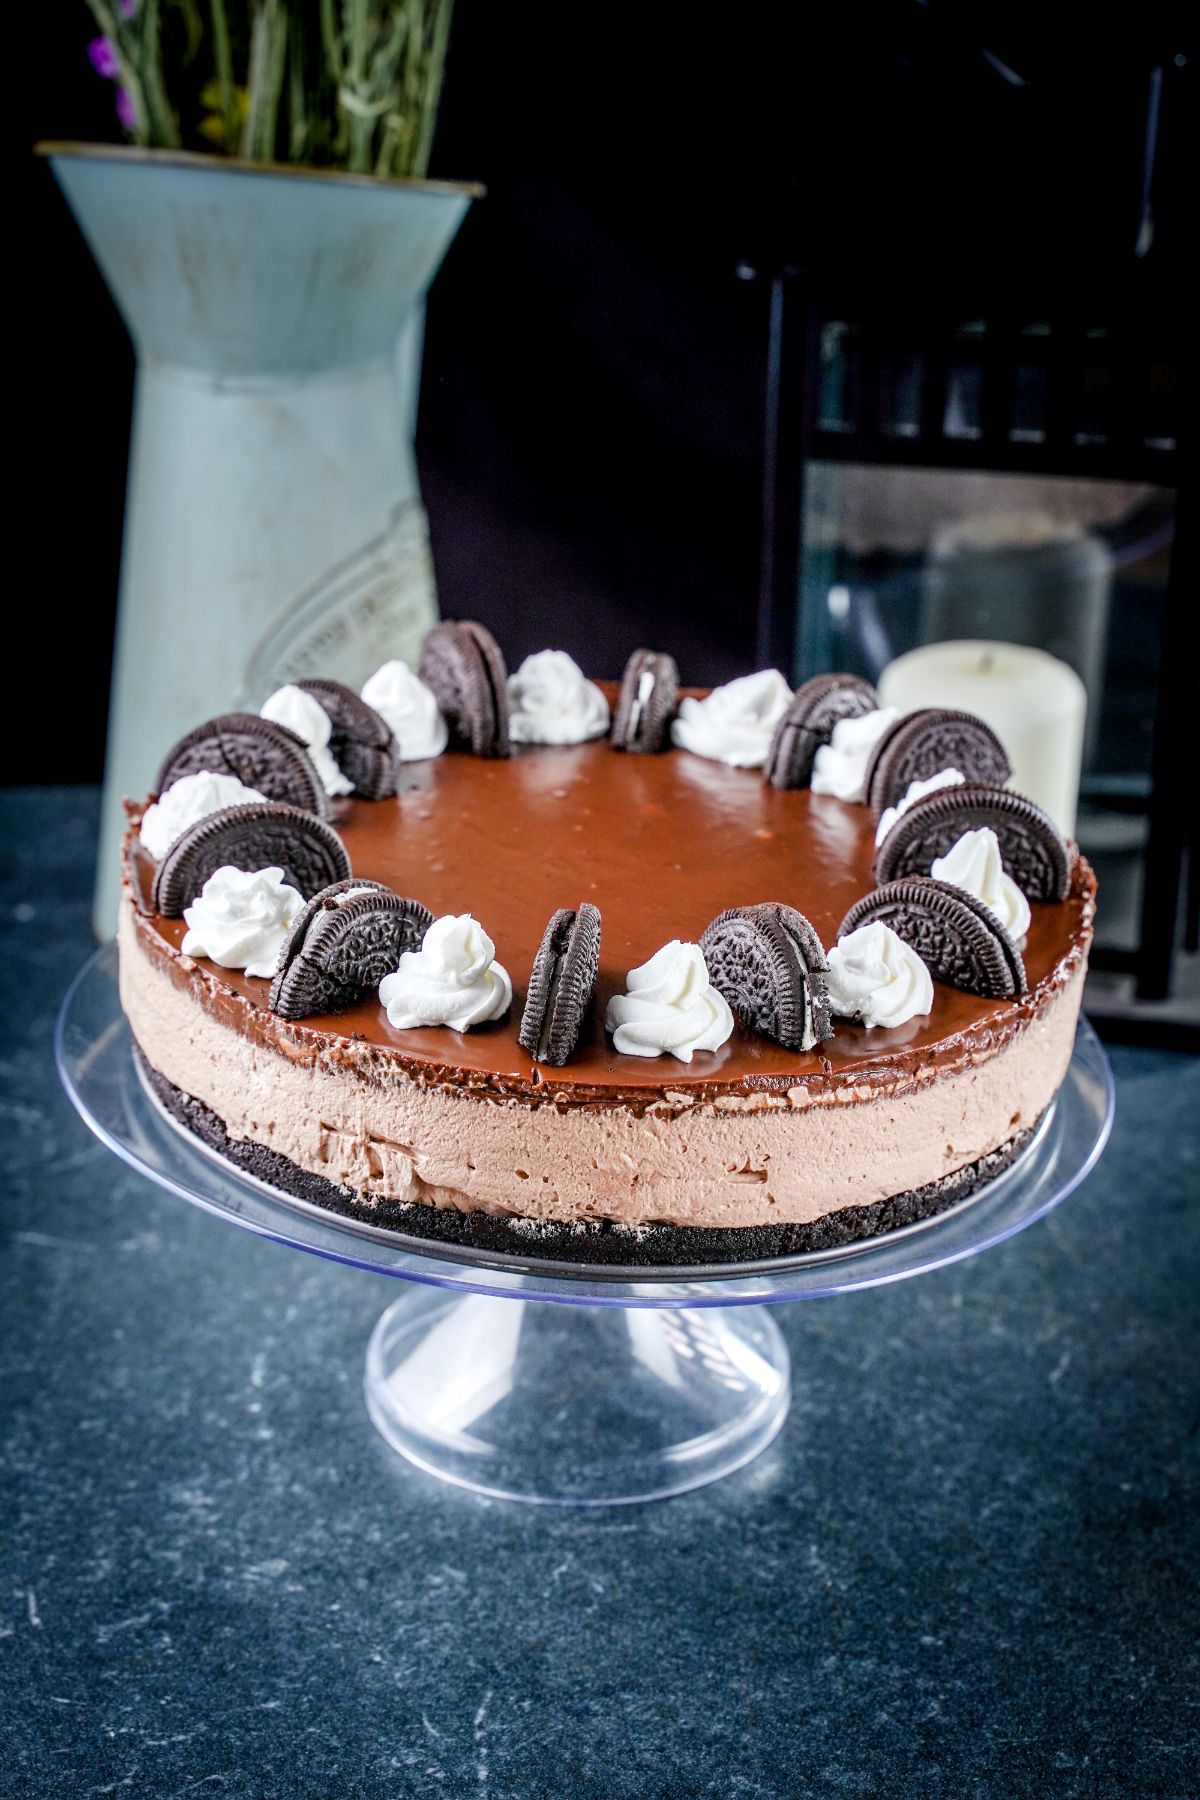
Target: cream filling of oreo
[809,1036]
[556,977]
[641,700]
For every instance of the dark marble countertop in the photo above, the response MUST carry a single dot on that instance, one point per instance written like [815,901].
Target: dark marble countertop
[968,1567]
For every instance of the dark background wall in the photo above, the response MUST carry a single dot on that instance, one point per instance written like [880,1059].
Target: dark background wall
[591,415]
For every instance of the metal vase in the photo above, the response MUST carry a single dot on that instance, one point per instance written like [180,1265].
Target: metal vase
[273,522]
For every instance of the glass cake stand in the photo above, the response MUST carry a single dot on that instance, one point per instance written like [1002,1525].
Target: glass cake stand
[563,1383]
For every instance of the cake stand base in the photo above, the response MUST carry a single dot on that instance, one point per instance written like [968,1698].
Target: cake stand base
[574,1406]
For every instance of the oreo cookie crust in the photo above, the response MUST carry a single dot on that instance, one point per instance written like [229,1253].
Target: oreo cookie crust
[770,965]
[462,664]
[341,946]
[957,937]
[361,743]
[595,1243]
[646,703]
[924,743]
[561,985]
[257,752]
[310,852]
[1032,849]
[816,707]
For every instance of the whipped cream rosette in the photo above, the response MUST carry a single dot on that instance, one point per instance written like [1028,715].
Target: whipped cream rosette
[916,790]
[303,713]
[671,1007]
[876,977]
[840,766]
[735,723]
[410,707]
[974,864]
[551,701]
[240,919]
[186,802]
[453,979]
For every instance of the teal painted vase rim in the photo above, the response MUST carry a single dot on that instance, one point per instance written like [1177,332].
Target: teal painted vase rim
[235,165]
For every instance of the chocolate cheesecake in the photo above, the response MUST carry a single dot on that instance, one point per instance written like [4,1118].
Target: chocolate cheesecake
[750,1150]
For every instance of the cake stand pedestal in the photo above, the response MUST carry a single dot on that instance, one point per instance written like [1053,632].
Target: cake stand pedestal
[564,1383]
[586,1406]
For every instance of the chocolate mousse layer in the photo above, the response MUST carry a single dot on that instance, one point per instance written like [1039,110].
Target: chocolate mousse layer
[597,1244]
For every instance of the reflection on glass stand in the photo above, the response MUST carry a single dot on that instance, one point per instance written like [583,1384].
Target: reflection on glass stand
[563,1383]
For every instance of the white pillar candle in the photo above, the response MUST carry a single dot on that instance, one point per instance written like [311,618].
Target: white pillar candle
[1035,704]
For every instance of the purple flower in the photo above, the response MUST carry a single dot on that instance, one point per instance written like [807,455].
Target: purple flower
[128,8]
[103,58]
[126,111]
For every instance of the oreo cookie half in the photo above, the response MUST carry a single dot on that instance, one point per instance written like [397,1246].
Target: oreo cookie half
[924,743]
[463,665]
[957,937]
[310,852]
[646,704]
[362,742]
[332,895]
[1032,848]
[770,965]
[815,709]
[341,946]
[561,984]
[258,752]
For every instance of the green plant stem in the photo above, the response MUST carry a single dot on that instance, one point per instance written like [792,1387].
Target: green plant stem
[223,61]
[161,122]
[361,125]
[268,55]
[353,82]
[297,106]
[431,88]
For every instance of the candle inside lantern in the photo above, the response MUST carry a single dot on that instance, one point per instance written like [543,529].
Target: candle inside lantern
[1035,704]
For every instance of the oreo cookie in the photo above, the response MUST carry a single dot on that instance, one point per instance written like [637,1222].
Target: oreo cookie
[646,704]
[815,709]
[362,742]
[957,937]
[324,897]
[561,985]
[770,965]
[310,852]
[343,943]
[924,743]
[1032,848]
[462,664]
[257,752]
